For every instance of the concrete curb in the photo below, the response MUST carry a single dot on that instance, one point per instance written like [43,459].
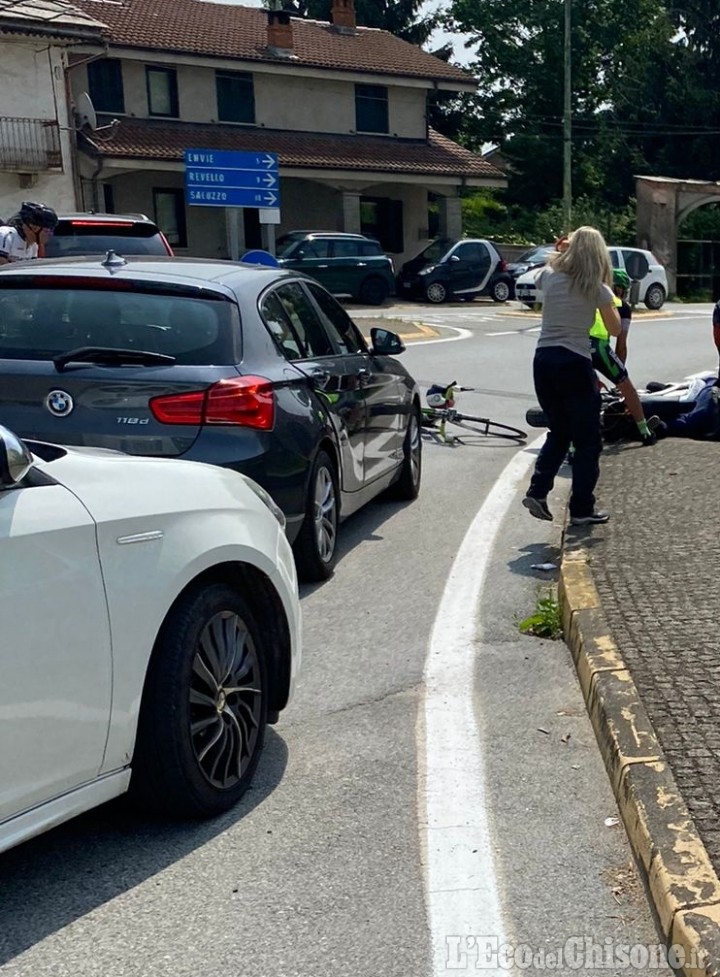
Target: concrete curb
[681,879]
[637,314]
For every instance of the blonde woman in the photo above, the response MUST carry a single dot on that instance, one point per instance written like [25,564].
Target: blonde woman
[575,283]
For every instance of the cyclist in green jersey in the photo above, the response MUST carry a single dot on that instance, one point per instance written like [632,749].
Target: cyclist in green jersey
[606,360]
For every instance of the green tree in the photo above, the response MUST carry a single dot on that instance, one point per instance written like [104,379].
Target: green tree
[646,92]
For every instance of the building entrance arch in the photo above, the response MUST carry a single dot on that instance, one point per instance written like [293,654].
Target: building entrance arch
[663,204]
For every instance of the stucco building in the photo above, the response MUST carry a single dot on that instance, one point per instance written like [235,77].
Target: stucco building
[344,107]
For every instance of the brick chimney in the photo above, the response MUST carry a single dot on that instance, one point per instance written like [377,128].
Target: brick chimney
[279,32]
[342,15]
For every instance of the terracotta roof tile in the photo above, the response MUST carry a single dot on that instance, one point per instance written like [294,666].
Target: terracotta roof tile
[164,141]
[231,31]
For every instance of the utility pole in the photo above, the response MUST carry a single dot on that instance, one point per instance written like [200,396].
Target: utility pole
[567,120]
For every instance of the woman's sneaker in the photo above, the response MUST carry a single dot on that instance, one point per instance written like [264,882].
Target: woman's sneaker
[594,519]
[537,508]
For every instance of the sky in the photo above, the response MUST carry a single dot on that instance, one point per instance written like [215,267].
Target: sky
[462,56]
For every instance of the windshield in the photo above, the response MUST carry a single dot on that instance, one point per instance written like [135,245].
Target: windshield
[42,323]
[435,251]
[95,238]
[536,254]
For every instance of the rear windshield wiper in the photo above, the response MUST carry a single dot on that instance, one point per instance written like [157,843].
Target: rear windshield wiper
[108,356]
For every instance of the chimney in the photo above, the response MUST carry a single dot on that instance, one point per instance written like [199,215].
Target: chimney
[279,32]
[342,16]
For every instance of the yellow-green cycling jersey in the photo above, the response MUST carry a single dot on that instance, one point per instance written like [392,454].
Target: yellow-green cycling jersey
[598,330]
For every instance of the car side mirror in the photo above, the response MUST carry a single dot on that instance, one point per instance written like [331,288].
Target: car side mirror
[15,459]
[385,343]
[455,257]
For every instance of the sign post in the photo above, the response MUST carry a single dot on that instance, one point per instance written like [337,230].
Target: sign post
[234,180]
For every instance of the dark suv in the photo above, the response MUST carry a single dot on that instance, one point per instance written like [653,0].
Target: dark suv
[348,265]
[124,234]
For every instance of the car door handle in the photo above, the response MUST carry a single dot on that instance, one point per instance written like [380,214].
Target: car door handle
[322,266]
[362,264]
[364,376]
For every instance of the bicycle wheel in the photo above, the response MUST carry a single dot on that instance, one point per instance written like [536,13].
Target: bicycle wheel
[487,428]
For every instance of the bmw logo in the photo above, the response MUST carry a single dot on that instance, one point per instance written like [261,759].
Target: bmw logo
[59,403]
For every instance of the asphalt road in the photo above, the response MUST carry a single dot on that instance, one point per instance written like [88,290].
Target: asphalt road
[326,867]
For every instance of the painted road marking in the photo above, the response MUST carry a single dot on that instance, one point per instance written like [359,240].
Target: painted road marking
[461,892]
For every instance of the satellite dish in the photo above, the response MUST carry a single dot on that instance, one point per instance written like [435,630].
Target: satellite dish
[85,111]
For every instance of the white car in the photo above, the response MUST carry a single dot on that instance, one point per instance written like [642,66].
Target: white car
[150,631]
[640,265]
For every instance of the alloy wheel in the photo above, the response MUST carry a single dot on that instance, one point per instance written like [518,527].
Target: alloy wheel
[325,514]
[225,699]
[436,293]
[414,447]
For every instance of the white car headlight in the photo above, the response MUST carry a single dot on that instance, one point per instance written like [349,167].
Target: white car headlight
[266,498]
[428,270]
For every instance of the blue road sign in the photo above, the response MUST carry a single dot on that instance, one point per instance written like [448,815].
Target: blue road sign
[221,178]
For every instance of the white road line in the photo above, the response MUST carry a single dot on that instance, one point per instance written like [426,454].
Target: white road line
[461,334]
[510,332]
[461,893]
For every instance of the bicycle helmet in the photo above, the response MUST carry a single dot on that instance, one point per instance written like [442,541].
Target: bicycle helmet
[38,215]
[621,278]
[436,396]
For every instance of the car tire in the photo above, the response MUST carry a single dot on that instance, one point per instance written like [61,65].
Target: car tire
[407,486]
[500,291]
[374,291]
[204,708]
[316,545]
[654,297]
[437,293]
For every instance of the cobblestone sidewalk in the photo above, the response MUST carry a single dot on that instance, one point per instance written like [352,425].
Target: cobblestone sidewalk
[656,568]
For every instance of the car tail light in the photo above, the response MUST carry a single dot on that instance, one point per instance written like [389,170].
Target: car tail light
[502,266]
[242,401]
[392,266]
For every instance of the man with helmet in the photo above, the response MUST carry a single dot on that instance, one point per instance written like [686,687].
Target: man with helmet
[24,235]
[611,362]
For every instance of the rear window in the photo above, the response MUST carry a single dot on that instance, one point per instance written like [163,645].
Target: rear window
[91,237]
[38,324]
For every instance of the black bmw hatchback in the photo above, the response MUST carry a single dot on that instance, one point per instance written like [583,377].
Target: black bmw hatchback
[252,368]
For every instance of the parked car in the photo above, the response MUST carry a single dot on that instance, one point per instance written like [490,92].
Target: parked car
[252,368]
[533,258]
[151,630]
[456,269]
[642,266]
[78,234]
[348,265]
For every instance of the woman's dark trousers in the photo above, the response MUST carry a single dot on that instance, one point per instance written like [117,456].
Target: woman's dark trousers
[567,391]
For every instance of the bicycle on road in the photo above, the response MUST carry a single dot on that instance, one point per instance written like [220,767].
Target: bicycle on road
[441,411]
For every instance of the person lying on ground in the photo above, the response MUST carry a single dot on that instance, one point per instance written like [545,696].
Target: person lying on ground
[702,423]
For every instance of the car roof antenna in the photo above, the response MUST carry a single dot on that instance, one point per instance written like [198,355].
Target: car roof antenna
[113,260]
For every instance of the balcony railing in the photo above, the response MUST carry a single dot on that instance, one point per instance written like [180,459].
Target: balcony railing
[29,145]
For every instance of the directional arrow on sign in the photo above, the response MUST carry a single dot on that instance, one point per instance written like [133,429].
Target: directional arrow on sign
[268,161]
[269,179]
[270,199]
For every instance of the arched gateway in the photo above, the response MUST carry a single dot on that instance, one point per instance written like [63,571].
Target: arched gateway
[662,206]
